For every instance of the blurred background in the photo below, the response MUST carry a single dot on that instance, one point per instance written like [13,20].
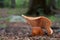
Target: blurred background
[48,8]
[14,6]
[33,7]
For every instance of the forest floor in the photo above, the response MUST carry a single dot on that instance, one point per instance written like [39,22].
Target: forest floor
[8,34]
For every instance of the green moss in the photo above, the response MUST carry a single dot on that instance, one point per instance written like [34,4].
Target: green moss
[52,18]
[22,3]
[3,25]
